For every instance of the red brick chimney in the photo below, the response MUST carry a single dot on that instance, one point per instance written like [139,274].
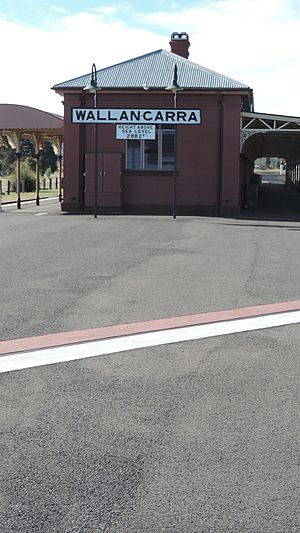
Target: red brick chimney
[180,44]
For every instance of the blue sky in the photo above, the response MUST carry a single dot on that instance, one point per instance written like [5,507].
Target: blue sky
[37,13]
[46,42]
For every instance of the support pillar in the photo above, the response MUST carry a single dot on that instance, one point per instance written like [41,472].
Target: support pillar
[18,180]
[60,177]
[37,175]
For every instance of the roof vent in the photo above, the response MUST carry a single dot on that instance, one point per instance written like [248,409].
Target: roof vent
[180,44]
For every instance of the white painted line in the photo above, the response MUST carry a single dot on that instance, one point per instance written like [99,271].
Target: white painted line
[40,214]
[73,352]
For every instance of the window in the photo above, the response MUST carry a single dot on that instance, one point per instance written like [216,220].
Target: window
[156,154]
[133,154]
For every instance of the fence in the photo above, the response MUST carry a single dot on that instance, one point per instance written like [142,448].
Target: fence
[46,184]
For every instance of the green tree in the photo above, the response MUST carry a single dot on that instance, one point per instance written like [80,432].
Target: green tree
[27,148]
[31,162]
[48,158]
[7,157]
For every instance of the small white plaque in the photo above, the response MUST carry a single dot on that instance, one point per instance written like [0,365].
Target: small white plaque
[135,131]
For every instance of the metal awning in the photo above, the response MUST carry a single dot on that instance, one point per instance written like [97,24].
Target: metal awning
[266,135]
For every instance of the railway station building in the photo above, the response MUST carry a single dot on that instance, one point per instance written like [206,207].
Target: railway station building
[159,133]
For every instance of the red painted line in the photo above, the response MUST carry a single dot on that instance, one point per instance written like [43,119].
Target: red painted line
[106,332]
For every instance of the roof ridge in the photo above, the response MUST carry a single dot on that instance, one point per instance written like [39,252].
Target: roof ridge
[197,65]
[111,66]
[132,59]
[156,67]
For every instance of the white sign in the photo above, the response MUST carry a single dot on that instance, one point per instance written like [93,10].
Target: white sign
[135,131]
[84,115]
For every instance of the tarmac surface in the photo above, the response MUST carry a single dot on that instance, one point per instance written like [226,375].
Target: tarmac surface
[194,436]
[62,272]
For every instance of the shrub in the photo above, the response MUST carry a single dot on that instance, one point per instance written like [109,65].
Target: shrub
[27,177]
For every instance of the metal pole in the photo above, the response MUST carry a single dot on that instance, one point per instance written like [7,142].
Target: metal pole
[95,159]
[92,87]
[175,162]
[174,87]
[175,171]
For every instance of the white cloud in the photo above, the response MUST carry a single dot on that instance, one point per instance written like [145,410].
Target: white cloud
[59,9]
[253,41]
[36,60]
[105,10]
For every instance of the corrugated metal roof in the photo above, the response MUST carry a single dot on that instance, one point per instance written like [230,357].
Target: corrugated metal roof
[155,70]
[14,116]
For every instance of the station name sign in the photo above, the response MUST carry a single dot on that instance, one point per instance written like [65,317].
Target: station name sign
[136,116]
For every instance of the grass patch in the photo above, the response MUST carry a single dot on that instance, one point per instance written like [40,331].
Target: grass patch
[9,198]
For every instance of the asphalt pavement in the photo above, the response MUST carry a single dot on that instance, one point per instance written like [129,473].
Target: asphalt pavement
[67,272]
[192,437]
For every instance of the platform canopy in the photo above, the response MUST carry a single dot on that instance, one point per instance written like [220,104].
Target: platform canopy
[265,135]
[18,121]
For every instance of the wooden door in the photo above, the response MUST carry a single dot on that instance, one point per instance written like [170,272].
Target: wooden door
[109,193]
